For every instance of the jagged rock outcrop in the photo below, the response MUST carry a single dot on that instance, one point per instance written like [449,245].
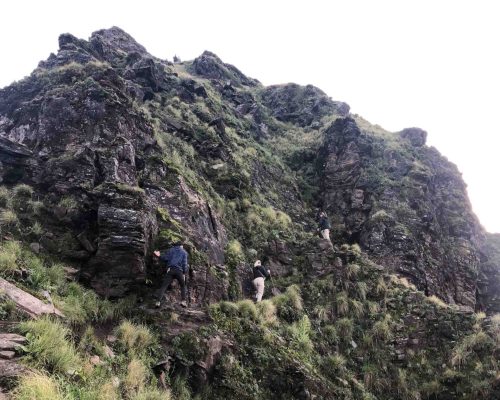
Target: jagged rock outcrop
[301,105]
[210,66]
[488,287]
[75,120]
[406,205]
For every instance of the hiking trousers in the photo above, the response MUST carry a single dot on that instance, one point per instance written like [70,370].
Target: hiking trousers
[173,273]
[258,283]
[325,234]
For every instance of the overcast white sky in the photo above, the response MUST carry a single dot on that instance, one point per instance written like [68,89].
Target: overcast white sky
[434,64]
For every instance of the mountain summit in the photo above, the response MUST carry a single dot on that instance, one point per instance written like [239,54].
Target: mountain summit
[108,153]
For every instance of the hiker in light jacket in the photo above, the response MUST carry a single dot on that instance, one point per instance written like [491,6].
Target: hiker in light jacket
[176,264]
[259,275]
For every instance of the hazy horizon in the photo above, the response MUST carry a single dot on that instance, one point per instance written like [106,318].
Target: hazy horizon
[397,64]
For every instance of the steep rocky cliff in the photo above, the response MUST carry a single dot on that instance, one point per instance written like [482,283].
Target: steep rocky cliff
[107,153]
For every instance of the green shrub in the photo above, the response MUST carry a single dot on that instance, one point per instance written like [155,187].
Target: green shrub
[22,191]
[188,348]
[181,389]
[48,345]
[37,387]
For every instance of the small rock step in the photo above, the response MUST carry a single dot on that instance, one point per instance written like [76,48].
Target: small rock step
[10,341]
[11,369]
[7,354]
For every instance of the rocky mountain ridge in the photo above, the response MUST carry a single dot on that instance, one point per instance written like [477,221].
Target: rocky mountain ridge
[118,153]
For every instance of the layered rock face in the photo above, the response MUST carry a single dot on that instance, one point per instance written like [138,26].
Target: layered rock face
[73,132]
[406,205]
[129,152]
[488,284]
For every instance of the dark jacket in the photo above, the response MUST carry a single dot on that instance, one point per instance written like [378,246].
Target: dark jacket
[177,258]
[260,272]
[324,223]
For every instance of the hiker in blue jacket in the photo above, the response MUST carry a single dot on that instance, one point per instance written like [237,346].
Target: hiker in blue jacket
[176,262]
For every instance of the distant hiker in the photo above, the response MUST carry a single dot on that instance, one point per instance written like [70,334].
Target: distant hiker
[259,275]
[176,261]
[324,226]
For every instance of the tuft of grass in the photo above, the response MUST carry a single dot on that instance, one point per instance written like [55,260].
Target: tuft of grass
[79,305]
[352,270]
[150,393]
[357,308]
[68,203]
[381,287]
[37,229]
[361,290]
[48,345]
[381,330]
[300,332]
[247,309]
[335,364]
[22,191]
[267,312]
[228,308]
[342,303]
[5,197]
[474,342]
[9,254]
[345,328]
[402,281]
[234,253]
[289,304]
[108,391]
[136,339]
[136,377]
[8,219]
[37,387]
[356,249]
[373,308]
[36,207]
[437,301]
